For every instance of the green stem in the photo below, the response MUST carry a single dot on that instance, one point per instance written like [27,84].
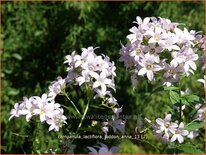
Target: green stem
[83,117]
[71,102]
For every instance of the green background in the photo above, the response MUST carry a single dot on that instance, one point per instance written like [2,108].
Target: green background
[36,37]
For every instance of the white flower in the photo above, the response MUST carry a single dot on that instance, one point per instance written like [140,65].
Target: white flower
[117,124]
[29,108]
[148,67]
[15,112]
[156,35]
[171,74]
[105,129]
[193,134]
[111,100]
[154,51]
[103,149]
[56,87]
[44,109]
[200,115]
[184,36]
[166,126]
[137,53]
[57,120]
[202,80]
[117,111]
[179,133]
[170,42]
[189,60]
[83,78]
[136,34]
[143,24]
[178,58]
[102,80]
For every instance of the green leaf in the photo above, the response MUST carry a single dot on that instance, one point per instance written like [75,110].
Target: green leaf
[17,56]
[171,88]
[174,97]
[184,148]
[96,107]
[191,98]
[71,109]
[184,101]
[13,92]
[187,148]
[194,125]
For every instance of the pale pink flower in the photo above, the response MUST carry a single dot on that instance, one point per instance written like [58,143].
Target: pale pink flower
[179,133]
[103,149]
[15,112]
[165,126]
[148,67]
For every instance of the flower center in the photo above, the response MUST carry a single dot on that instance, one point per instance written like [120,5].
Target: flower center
[148,66]
[171,71]
[90,68]
[138,51]
[167,125]
[156,38]
[152,50]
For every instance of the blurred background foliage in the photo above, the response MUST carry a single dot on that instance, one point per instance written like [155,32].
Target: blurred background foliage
[36,37]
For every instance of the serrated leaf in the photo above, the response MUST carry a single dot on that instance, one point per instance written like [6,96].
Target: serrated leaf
[191,98]
[184,101]
[174,97]
[194,125]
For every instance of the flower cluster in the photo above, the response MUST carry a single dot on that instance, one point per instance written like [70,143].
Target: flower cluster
[103,149]
[169,131]
[158,46]
[44,107]
[92,70]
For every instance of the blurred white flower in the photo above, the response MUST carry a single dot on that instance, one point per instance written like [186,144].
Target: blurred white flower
[165,126]
[202,80]
[29,107]
[57,120]
[117,124]
[193,134]
[103,149]
[200,115]
[148,67]
[179,133]
[103,81]
[56,87]
[117,111]
[44,109]
[15,112]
